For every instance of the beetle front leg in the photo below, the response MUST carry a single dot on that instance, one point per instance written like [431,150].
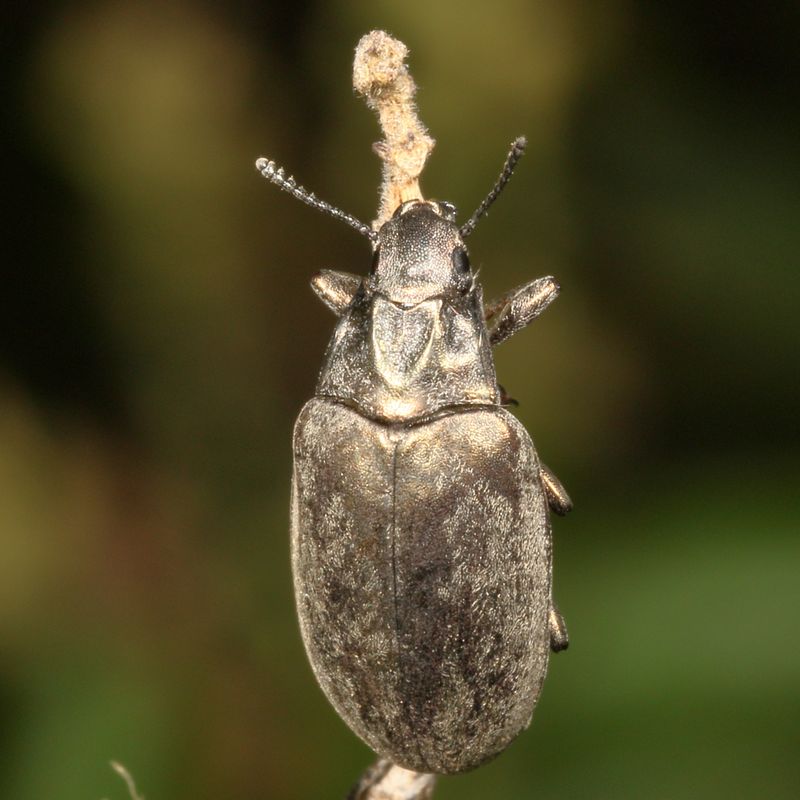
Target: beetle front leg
[335,289]
[557,497]
[559,638]
[515,310]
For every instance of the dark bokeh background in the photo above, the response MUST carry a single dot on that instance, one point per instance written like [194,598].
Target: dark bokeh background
[158,337]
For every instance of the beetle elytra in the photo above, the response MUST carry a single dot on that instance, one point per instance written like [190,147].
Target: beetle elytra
[420,532]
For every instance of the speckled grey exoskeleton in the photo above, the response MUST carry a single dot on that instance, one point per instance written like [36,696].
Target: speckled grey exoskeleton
[421,542]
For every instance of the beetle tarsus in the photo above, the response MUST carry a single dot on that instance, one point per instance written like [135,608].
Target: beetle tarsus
[557,497]
[515,310]
[559,638]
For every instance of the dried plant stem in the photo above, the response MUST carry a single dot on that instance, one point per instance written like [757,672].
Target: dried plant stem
[386,781]
[128,778]
[381,76]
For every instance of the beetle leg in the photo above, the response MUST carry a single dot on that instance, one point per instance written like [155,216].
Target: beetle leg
[559,638]
[515,310]
[557,497]
[505,398]
[335,289]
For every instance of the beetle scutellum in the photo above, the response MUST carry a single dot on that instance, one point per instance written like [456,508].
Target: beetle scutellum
[421,543]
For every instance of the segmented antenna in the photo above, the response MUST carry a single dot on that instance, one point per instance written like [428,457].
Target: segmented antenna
[514,155]
[272,172]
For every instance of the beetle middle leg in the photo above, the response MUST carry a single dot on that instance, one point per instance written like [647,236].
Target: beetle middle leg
[559,638]
[557,497]
[512,312]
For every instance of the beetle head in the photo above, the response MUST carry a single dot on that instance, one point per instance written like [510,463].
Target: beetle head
[421,255]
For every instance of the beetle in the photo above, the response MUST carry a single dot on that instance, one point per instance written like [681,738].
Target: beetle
[420,531]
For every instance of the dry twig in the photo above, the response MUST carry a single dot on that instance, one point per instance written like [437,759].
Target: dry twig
[386,781]
[128,778]
[381,76]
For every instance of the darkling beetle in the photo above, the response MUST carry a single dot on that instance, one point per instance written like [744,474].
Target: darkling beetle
[421,542]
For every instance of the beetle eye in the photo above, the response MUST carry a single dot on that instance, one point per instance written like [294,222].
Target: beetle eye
[461,261]
[448,210]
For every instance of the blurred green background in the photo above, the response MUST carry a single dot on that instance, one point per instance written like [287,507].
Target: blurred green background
[159,337]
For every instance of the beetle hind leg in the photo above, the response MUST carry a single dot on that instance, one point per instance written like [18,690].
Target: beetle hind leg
[557,497]
[559,638]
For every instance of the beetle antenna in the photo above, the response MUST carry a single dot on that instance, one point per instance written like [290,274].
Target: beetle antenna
[272,172]
[514,155]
